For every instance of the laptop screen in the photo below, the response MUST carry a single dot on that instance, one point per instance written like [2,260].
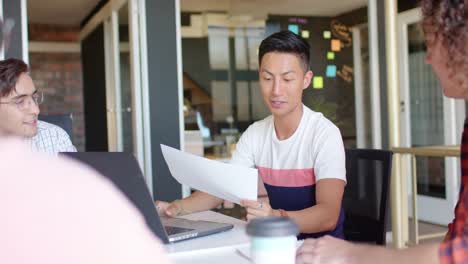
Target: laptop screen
[123,170]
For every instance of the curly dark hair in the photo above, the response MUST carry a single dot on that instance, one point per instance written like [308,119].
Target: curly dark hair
[10,70]
[448,20]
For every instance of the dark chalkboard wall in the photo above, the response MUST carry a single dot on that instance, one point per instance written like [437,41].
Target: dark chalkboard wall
[336,99]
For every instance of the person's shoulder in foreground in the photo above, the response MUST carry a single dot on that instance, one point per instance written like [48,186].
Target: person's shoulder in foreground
[66,213]
[445,25]
[51,139]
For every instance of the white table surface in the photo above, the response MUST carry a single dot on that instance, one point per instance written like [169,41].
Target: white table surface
[226,255]
[216,248]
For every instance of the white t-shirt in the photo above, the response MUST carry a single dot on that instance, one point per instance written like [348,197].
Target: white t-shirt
[290,168]
[315,149]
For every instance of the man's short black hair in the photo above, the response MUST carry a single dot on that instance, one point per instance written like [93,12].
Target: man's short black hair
[286,42]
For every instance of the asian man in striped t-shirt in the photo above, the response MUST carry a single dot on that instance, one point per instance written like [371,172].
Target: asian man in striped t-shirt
[299,153]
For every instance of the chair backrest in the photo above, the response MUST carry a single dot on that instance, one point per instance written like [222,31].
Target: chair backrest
[64,121]
[365,200]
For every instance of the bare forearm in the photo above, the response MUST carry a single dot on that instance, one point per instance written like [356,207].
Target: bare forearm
[324,215]
[199,201]
[427,254]
[314,219]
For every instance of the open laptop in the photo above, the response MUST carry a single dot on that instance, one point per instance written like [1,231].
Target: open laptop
[123,170]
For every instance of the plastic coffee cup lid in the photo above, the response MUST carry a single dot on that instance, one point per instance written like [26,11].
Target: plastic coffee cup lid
[272,227]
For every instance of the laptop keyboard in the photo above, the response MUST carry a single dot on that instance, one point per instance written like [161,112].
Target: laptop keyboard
[172,230]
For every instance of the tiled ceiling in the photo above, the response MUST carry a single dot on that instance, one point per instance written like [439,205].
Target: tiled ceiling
[59,12]
[277,7]
[72,12]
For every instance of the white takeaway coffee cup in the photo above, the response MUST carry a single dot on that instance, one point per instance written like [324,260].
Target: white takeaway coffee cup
[273,240]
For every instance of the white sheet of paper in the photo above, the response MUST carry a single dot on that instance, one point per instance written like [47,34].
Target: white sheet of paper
[226,181]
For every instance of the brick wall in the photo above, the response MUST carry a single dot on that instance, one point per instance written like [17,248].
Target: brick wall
[59,76]
[39,32]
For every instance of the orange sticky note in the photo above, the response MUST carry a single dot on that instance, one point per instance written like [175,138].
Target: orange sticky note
[335,45]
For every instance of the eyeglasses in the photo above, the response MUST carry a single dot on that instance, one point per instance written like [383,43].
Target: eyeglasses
[23,102]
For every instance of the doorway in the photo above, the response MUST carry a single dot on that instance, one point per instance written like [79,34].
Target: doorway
[428,118]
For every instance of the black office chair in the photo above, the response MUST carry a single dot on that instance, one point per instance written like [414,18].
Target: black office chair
[365,200]
[64,121]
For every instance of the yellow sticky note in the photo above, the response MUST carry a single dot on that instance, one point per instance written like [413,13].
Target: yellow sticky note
[305,34]
[331,55]
[335,45]
[326,34]
[318,82]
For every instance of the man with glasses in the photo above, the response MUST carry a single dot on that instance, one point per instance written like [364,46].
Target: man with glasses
[19,109]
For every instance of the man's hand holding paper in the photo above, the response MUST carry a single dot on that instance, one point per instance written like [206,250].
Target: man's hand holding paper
[226,181]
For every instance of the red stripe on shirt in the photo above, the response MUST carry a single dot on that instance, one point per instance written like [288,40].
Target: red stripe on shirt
[287,177]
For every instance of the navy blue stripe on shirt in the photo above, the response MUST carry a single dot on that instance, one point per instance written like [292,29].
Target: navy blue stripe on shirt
[299,198]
